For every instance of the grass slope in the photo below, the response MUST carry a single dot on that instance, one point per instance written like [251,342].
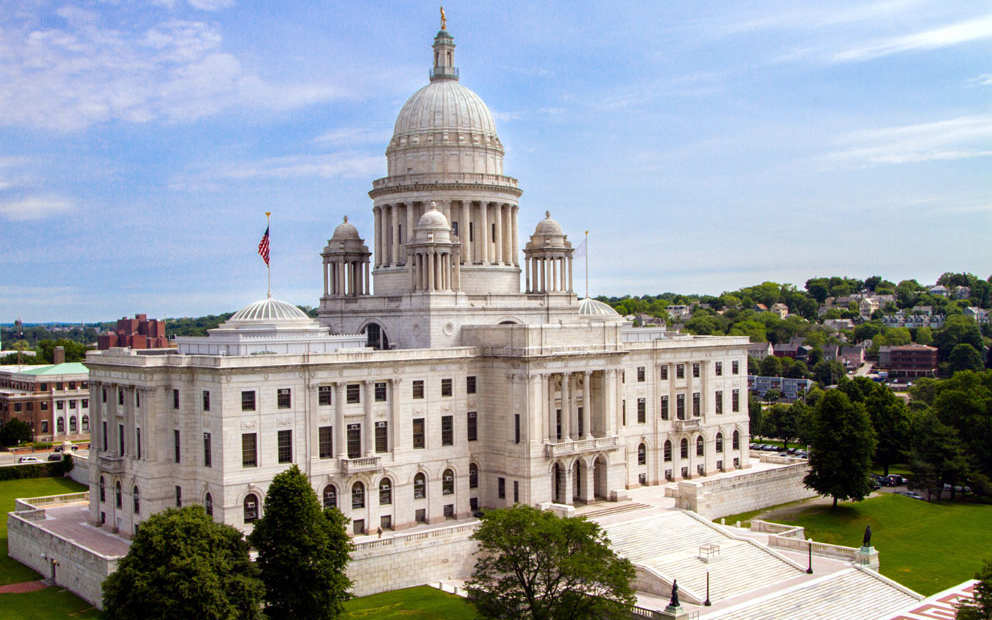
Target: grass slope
[926,547]
[45,604]
[12,571]
[420,603]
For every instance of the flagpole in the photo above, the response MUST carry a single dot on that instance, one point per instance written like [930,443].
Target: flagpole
[587,264]
[268,268]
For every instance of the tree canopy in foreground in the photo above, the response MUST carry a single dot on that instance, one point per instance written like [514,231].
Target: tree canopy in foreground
[981,608]
[841,448]
[302,551]
[533,564]
[182,564]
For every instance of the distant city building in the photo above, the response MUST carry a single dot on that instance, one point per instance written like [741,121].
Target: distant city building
[760,350]
[53,399]
[780,309]
[852,356]
[911,360]
[839,324]
[137,333]
[679,312]
[794,349]
[938,290]
[980,315]
[791,389]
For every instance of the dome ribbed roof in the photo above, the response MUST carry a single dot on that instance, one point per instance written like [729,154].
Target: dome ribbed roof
[548,226]
[444,105]
[593,307]
[433,219]
[345,230]
[269,310]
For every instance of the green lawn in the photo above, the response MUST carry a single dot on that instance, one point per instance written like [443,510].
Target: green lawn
[45,605]
[926,547]
[12,571]
[421,603]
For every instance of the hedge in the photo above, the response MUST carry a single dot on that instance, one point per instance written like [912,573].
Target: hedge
[51,469]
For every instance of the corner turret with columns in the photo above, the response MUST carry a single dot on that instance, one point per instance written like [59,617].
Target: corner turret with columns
[549,259]
[346,263]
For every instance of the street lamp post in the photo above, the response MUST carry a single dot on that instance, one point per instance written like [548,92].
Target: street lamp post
[809,570]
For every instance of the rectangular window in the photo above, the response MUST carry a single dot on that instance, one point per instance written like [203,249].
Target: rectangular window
[420,516]
[418,389]
[640,374]
[516,428]
[137,399]
[718,368]
[176,445]
[382,436]
[696,400]
[354,393]
[206,400]
[103,394]
[59,404]
[285,443]
[501,488]
[249,450]
[324,395]
[418,432]
[175,399]
[208,459]
[664,407]
[137,443]
[680,371]
[680,406]
[284,398]
[104,435]
[120,396]
[664,372]
[470,385]
[718,399]
[472,425]
[516,492]
[735,401]
[248,400]
[72,404]
[179,496]
[380,392]
[695,370]
[623,415]
[445,387]
[641,411]
[449,511]
[325,440]
[558,424]
[354,441]
[44,406]
[120,440]
[735,367]
[447,430]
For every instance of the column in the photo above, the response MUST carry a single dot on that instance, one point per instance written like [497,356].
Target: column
[527,274]
[368,281]
[340,432]
[395,234]
[570,289]
[325,277]
[464,226]
[376,232]
[430,270]
[498,251]
[549,401]
[566,405]
[458,273]
[368,429]
[515,242]
[484,232]
[507,235]
[409,231]
[586,406]
[395,439]
[569,485]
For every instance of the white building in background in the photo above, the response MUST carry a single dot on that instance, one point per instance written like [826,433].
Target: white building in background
[443,389]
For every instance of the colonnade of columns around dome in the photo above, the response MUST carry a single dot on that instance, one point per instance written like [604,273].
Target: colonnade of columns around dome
[549,272]
[434,267]
[346,277]
[394,227]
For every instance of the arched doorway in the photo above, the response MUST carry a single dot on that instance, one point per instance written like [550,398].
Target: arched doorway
[375,337]
[599,477]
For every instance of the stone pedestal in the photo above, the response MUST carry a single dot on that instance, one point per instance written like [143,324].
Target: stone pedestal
[672,613]
[868,557]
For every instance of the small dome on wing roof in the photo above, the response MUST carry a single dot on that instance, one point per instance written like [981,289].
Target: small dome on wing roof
[345,230]
[596,308]
[548,226]
[269,310]
[433,218]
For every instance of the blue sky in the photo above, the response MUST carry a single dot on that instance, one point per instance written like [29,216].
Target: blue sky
[705,145]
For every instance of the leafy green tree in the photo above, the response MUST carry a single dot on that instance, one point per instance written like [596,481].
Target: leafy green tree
[756,416]
[302,551]
[981,607]
[181,564]
[964,357]
[74,351]
[908,293]
[533,564]
[15,431]
[770,366]
[890,419]
[841,448]
[780,422]
[924,335]
[828,373]
[957,329]
[937,456]
[818,288]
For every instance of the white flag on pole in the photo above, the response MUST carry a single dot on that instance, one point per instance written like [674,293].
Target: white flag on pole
[580,250]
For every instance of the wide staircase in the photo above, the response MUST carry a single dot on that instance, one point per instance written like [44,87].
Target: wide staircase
[670,544]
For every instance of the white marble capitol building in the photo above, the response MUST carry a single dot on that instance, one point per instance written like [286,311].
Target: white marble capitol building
[449,370]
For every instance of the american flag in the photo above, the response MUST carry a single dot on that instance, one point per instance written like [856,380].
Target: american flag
[263,246]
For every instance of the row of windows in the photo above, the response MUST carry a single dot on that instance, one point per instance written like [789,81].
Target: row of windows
[60,424]
[680,411]
[60,405]
[684,447]
[735,369]
[208,501]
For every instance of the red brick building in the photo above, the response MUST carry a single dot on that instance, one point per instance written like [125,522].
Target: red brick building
[53,398]
[137,333]
[911,360]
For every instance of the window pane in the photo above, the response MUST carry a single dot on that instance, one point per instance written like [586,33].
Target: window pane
[447,430]
[326,441]
[285,439]
[354,441]
[248,400]
[324,395]
[418,432]
[381,436]
[249,456]
[445,387]
[354,393]
[472,424]
[418,388]
[284,398]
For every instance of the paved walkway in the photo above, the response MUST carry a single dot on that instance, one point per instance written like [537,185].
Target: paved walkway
[22,587]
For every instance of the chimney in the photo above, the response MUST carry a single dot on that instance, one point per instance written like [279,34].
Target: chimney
[58,356]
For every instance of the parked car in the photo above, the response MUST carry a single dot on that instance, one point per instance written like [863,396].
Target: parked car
[28,459]
[58,448]
[54,457]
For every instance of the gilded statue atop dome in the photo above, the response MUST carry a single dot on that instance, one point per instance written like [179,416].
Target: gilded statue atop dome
[444,19]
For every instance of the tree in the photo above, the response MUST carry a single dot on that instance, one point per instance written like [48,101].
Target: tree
[755,415]
[964,357]
[841,448]
[937,456]
[981,608]
[302,551]
[924,335]
[957,329]
[770,366]
[781,423]
[828,373]
[181,564]
[15,431]
[534,564]
[890,419]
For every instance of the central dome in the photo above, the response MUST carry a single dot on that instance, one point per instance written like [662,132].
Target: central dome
[444,105]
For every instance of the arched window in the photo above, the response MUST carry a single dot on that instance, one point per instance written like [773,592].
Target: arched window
[668,451]
[719,442]
[358,495]
[208,504]
[137,502]
[684,448]
[448,482]
[72,424]
[86,423]
[103,490]
[642,454]
[699,446]
[737,440]
[385,492]
[330,496]
[473,476]
[375,337]
[117,494]
[60,425]
[251,508]
[419,486]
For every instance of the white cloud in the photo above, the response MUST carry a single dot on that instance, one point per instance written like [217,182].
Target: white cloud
[984,79]
[945,36]
[958,138]
[321,166]
[34,208]
[353,136]
[211,5]
[811,17]
[83,73]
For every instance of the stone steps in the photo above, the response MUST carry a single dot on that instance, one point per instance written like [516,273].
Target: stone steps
[613,510]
